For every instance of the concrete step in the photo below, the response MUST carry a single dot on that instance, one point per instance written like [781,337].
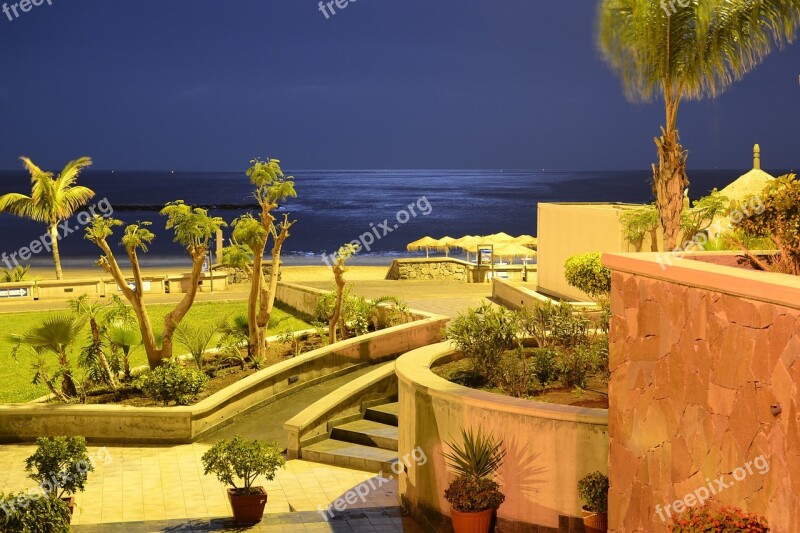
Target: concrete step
[351,455]
[368,433]
[385,414]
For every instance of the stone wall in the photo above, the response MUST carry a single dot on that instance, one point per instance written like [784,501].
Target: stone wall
[430,269]
[700,354]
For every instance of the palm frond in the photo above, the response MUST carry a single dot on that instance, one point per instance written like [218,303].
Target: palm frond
[479,456]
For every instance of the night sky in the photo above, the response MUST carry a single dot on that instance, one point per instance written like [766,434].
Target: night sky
[207,85]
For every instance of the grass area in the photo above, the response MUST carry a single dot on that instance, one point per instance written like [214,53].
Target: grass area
[16,376]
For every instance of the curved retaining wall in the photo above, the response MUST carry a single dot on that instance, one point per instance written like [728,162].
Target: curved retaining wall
[124,424]
[550,447]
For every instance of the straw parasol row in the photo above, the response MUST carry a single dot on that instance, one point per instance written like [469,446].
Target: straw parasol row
[504,244]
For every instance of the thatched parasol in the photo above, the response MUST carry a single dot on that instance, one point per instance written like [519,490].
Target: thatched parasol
[444,244]
[426,242]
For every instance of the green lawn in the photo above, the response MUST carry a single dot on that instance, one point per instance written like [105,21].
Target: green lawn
[15,376]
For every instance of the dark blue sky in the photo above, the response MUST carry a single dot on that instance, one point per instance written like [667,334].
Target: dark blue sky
[208,84]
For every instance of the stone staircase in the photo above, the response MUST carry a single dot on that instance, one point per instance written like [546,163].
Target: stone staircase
[367,442]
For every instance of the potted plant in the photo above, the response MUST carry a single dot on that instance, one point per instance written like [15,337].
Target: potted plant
[21,512]
[474,496]
[61,466]
[244,460]
[725,520]
[593,489]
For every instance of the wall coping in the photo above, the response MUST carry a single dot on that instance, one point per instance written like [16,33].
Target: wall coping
[770,287]
[541,297]
[414,369]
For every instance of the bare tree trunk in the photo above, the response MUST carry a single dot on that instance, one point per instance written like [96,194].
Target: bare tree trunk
[669,176]
[256,280]
[53,231]
[174,317]
[67,383]
[338,273]
[268,290]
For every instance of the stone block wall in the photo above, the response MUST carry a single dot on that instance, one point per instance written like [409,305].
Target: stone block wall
[430,269]
[699,357]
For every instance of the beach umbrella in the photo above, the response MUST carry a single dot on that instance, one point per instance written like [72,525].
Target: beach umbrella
[498,238]
[444,244]
[511,250]
[526,240]
[466,243]
[426,242]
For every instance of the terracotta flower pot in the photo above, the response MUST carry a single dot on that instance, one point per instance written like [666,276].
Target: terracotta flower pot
[70,501]
[248,508]
[479,522]
[594,522]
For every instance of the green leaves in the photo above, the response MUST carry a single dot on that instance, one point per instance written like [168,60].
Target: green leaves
[193,226]
[586,272]
[479,456]
[172,382]
[60,464]
[593,489]
[243,460]
[694,48]
[483,334]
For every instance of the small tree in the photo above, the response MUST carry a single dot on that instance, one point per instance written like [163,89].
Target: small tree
[196,339]
[93,355]
[271,188]
[638,223]
[698,219]
[60,464]
[243,460]
[193,229]
[586,273]
[339,268]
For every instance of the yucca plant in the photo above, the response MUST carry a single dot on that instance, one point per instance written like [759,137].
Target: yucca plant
[478,456]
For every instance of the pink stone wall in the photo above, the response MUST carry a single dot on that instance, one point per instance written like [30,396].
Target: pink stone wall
[694,373]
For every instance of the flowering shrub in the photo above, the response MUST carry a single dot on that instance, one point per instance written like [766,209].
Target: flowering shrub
[725,520]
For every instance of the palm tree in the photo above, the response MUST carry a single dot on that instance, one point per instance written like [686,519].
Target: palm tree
[124,335]
[683,50]
[93,355]
[52,200]
[56,334]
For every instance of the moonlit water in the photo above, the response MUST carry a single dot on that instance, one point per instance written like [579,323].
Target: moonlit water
[334,207]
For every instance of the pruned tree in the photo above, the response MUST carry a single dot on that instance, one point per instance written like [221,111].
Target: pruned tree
[193,229]
[271,188]
[339,268]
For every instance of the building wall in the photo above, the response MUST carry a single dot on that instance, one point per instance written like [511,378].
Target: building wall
[699,355]
[569,229]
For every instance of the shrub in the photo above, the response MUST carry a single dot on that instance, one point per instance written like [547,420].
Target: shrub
[172,382]
[554,324]
[60,465]
[778,220]
[514,375]
[22,513]
[242,459]
[593,489]
[586,273]
[725,520]
[638,223]
[483,334]
[470,495]
[579,364]
[544,364]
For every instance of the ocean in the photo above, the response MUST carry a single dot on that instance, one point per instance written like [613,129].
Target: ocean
[334,207]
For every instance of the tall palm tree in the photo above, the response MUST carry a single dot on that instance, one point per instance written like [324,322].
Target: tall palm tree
[683,50]
[52,200]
